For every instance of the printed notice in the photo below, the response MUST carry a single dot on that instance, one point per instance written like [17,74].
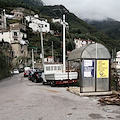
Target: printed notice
[102,68]
[88,68]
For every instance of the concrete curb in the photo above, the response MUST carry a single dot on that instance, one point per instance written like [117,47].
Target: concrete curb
[77,92]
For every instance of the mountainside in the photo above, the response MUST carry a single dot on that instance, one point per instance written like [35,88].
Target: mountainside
[77,27]
[18,3]
[33,3]
[110,27]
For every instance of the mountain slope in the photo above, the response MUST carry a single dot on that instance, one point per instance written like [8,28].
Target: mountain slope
[78,28]
[110,27]
[33,3]
[21,3]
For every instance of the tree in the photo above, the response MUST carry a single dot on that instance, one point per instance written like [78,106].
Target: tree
[70,45]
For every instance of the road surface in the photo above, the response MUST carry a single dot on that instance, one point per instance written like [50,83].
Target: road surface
[21,99]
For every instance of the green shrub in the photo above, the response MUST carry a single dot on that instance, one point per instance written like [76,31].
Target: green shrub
[4,66]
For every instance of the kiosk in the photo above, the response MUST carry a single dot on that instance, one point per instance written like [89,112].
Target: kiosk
[93,64]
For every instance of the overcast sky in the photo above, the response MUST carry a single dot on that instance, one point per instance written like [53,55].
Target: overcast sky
[91,9]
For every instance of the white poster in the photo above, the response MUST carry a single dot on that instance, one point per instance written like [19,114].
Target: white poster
[88,68]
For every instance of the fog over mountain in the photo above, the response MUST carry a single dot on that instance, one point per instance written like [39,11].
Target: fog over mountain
[90,9]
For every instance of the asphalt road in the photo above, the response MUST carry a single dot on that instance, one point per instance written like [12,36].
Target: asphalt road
[20,99]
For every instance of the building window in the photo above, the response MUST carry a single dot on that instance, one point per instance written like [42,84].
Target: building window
[59,68]
[55,68]
[45,25]
[0,17]
[18,15]
[76,41]
[15,39]
[0,23]
[47,68]
[51,68]
[15,33]
[41,25]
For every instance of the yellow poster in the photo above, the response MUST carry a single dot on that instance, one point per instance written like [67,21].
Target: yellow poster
[102,68]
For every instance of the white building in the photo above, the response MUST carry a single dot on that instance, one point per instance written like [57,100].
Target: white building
[38,25]
[118,60]
[14,34]
[17,39]
[57,20]
[81,42]
[5,36]
[49,59]
[9,16]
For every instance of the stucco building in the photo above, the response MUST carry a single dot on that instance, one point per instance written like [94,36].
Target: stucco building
[118,60]
[17,37]
[37,24]
[81,42]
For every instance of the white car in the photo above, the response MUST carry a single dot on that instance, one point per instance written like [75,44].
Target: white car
[15,71]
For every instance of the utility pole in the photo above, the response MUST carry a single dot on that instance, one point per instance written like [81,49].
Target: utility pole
[42,49]
[64,57]
[52,53]
[32,59]
[41,36]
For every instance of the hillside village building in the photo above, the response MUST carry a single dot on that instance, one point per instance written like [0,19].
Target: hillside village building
[38,25]
[17,37]
[18,13]
[118,60]
[81,42]
[49,59]
[16,34]
[57,20]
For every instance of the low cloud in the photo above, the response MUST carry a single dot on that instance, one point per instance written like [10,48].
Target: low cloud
[90,9]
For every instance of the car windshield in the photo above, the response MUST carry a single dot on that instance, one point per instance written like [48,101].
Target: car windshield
[27,71]
[118,70]
[15,70]
[39,73]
